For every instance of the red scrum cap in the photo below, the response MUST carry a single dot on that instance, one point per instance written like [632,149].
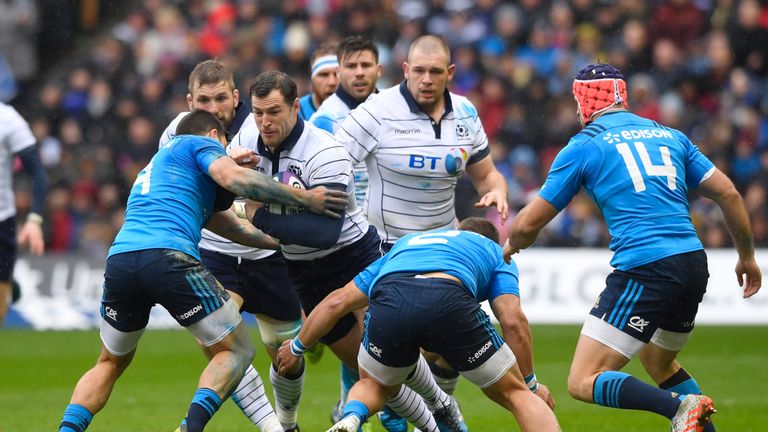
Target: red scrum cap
[598,87]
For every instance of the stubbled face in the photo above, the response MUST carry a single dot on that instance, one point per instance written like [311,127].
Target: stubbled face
[218,99]
[274,117]
[324,83]
[358,73]
[428,74]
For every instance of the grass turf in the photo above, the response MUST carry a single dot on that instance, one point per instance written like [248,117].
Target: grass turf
[38,371]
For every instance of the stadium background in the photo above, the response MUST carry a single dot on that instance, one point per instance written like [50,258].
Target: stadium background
[99,80]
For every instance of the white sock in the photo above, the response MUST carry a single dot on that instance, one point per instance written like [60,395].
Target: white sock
[423,383]
[287,396]
[252,400]
[411,406]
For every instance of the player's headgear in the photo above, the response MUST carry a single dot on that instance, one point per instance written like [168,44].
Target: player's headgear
[598,87]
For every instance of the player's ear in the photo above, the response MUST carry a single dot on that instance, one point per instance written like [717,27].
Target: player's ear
[405,70]
[236,96]
[189,101]
[295,104]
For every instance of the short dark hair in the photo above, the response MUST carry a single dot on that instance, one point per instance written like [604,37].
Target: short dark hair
[210,72]
[199,122]
[267,81]
[481,226]
[352,44]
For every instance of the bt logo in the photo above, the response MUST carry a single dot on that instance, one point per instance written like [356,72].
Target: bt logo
[454,161]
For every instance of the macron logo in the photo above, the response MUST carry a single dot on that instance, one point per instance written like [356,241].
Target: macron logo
[407,131]
[189,313]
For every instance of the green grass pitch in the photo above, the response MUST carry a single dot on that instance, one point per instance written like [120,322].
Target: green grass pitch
[38,371]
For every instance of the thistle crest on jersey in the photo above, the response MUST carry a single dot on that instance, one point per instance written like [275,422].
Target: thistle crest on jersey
[290,179]
[598,87]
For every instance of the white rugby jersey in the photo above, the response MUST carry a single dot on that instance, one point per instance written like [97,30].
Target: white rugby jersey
[328,117]
[314,156]
[413,162]
[15,136]
[209,240]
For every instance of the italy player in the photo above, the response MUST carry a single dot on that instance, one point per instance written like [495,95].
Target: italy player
[359,70]
[425,293]
[256,279]
[323,79]
[16,139]
[417,139]
[639,173]
[154,259]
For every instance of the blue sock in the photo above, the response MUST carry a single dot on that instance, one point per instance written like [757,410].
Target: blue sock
[204,404]
[621,390]
[349,377]
[76,419]
[684,384]
[357,409]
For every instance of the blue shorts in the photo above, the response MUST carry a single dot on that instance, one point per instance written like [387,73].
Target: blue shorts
[135,281]
[8,248]
[315,279]
[263,284]
[406,313]
[663,294]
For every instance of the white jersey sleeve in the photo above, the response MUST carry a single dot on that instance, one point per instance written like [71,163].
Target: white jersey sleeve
[170,131]
[15,136]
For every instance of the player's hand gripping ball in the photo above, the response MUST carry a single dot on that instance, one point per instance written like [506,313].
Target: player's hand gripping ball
[290,179]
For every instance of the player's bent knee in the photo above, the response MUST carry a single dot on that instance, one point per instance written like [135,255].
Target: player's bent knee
[493,369]
[213,328]
[273,334]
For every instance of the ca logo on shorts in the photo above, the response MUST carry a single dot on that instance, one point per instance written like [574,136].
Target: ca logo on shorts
[110,313]
[374,350]
[638,323]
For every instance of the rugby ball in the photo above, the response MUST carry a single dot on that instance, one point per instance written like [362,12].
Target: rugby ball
[290,179]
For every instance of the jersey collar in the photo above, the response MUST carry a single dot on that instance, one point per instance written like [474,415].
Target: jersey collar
[242,111]
[287,144]
[347,98]
[414,106]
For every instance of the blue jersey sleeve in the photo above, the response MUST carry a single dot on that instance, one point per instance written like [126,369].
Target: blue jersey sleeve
[505,280]
[696,164]
[323,122]
[565,177]
[364,280]
[206,153]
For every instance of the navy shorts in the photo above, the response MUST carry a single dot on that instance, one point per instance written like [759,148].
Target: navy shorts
[263,284]
[8,248]
[315,279]
[135,281]
[663,294]
[406,313]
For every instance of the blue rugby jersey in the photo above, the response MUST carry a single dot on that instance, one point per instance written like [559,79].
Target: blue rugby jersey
[475,260]
[172,198]
[639,173]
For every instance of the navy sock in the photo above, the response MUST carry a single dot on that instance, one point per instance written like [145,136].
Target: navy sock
[76,419]
[621,390]
[204,404]
[683,384]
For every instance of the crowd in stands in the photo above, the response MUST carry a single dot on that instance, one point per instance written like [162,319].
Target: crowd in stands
[695,65]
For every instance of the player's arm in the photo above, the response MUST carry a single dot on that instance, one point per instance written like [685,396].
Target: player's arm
[517,334]
[31,233]
[527,224]
[719,188]
[228,225]
[305,229]
[322,319]
[256,186]
[490,185]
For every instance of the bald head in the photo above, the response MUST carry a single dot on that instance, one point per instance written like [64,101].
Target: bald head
[429,44]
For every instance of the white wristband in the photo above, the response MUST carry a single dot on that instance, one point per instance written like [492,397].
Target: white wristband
[240,210]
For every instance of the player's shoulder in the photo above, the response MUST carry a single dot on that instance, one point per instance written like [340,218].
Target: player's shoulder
[10,117]
[462,106]
[247,136]
[387,100]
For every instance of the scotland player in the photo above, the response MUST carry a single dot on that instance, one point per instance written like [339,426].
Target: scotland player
[639,173]
[324,79]
[16,139]
[154,259]
[425,293]
[256,279]
[417,139]
[359,70]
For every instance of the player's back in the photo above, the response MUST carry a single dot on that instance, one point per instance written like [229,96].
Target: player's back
[474,259]
[172,198]
[639,173]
